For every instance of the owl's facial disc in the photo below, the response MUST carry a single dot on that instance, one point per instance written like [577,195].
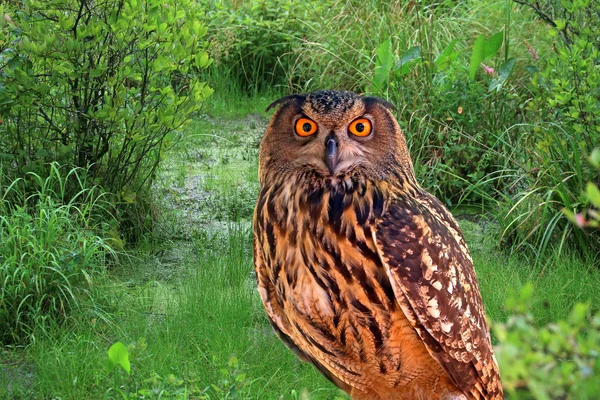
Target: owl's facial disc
[331,152]
[330,134]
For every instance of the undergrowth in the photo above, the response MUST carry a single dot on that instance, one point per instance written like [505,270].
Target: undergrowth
[53,254]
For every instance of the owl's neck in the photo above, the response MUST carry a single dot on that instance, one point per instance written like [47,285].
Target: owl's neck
[338,201]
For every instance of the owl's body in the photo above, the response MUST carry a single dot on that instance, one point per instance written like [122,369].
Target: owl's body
[363,273]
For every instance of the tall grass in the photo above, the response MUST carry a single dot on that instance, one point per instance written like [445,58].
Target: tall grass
[50,253]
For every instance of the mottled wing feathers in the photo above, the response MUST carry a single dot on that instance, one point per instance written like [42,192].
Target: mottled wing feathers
[432,275]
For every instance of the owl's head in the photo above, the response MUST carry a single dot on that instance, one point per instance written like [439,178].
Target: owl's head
[331,133]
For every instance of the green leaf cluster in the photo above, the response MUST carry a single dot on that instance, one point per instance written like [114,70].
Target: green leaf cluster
[101,85]
[558,361]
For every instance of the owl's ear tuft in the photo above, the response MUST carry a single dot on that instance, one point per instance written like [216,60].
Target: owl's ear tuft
[378,100]
[283,100]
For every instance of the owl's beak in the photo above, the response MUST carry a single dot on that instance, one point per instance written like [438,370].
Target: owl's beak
[331,152]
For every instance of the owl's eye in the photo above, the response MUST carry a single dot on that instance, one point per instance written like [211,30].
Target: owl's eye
[305,127]
[360,127]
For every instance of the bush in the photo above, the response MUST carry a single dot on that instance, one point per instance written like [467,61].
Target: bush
[104,86]
[458,154]
[462,124]
[565,127]
[51,257]
[557,361]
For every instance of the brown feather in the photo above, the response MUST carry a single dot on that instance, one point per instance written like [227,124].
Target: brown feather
[438,281]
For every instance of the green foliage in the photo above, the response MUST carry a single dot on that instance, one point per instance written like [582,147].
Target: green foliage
[458,155]
[462,126]
[461,130]
[565,115]
[136,387]
[483,49]
[232,382]
[558,361]
[103,86]
[588,217]
[118,355]
[51,258]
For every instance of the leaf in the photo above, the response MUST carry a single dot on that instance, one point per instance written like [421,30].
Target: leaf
[446,53]
[504,73]
[13,64]
[384,62]
[233,362]
[593,194]
[492,45]
[118,355]
[42,153]
[595,158]
[570,215]
[202,59]
[129,197]
[579,313]
[506,69]
[476,56]
[406,61]
[532,69]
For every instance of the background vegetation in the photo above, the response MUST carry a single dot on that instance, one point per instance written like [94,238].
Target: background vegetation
[127,189]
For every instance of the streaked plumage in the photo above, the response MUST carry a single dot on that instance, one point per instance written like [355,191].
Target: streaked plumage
[363,273]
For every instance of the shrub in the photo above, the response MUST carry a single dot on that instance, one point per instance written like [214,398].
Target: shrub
[565,115]
[462,124]
[459,133]
[103,86]
[51,257]
[557,361]
[588,218]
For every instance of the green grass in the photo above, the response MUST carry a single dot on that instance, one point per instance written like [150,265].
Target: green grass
[192,326]
[558,284]
[230,100]
[52,252]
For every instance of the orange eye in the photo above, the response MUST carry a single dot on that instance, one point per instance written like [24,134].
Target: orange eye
[305,127]
[360,127]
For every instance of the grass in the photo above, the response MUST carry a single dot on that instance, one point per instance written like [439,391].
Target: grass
[230,100]
[191,326]
[51,258]
[558,284]
[187,305]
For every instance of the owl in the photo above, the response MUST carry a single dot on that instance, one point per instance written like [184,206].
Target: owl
[362,272]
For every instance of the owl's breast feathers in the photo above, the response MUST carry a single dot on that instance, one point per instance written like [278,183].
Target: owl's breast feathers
[374,285]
